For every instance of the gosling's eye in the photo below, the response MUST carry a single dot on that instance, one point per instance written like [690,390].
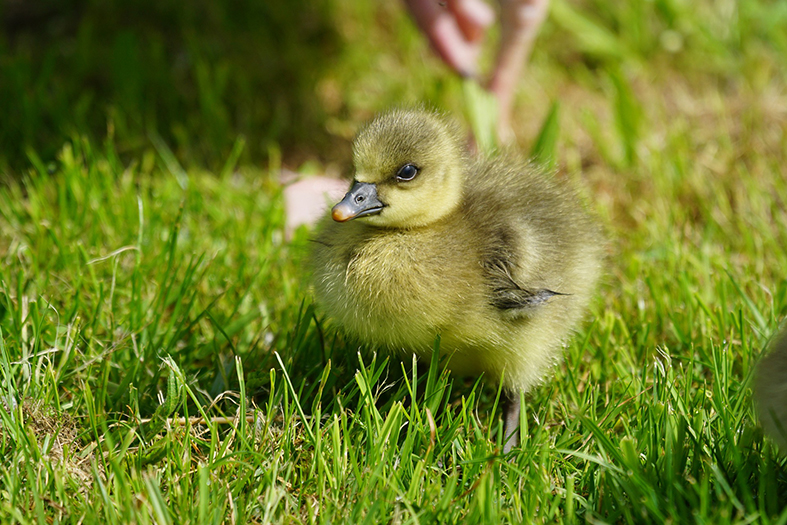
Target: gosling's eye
[407,172]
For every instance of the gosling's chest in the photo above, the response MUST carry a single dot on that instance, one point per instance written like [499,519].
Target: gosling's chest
[397,271]
[401,286]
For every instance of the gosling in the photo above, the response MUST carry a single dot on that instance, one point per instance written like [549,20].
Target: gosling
[770,390]
[495,257]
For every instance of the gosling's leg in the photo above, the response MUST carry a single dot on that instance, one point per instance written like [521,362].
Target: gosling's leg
[511,429]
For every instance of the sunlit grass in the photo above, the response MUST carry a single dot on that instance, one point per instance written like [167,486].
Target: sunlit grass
[162,361]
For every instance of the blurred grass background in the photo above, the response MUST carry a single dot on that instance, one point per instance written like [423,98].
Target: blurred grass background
[197,73]
[144,272]
[299,76]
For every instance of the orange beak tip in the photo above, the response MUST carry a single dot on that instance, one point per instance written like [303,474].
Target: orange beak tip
[340,214]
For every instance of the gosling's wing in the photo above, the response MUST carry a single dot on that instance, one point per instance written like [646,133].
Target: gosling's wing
[533,232]
[506,294]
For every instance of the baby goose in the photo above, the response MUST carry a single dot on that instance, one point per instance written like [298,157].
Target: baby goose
[495,257]
[770,390]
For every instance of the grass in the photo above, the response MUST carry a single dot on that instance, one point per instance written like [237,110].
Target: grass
[162,361]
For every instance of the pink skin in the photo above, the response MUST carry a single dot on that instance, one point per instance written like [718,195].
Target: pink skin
[456,30]
[306,200]
[520,21]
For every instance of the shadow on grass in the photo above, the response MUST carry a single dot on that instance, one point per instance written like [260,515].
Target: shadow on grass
[198,73]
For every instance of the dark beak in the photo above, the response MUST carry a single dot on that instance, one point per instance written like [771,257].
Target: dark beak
[360,201]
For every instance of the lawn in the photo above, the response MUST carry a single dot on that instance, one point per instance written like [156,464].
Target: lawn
[162,360]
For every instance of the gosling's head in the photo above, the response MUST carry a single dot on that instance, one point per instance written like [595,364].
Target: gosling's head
[409,170]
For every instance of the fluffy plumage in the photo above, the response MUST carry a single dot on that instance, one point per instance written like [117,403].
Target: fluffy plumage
[495,256]
[770,390]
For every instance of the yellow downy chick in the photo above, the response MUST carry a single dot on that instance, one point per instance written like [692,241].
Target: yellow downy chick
[494,256]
